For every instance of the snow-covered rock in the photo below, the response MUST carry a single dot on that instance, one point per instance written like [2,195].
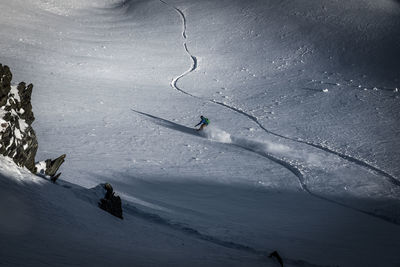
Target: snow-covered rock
[17,137]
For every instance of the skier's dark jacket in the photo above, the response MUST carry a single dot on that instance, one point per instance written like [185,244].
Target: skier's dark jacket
[204,120]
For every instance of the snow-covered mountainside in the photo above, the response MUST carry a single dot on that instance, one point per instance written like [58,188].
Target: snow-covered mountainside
[301,154]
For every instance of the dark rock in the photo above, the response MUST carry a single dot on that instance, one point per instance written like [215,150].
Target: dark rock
[111,203]
[25,95]
[52,166]
[55,177]
[276,255]
[109,191]
[5,84]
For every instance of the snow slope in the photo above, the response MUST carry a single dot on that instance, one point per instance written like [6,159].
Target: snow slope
[59,225]
[300,157]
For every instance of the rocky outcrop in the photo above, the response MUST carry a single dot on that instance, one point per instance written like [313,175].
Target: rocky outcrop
[278,257]
[17,137]
[50,167]
[111,203]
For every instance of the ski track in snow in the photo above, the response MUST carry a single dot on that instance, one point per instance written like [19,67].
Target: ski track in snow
[349,158]
[253,146]
[293,169]
[193,67]
[193,58]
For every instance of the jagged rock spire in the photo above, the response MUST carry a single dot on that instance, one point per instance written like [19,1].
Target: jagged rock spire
[17,137]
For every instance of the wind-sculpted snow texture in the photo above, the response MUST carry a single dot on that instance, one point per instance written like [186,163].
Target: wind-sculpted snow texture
[300,155]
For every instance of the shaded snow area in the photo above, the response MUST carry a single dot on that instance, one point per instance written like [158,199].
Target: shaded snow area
[301,154]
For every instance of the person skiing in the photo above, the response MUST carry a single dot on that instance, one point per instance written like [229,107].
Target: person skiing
[204,122]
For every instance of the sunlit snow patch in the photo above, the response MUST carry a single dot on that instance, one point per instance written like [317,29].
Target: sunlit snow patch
[21,175]
[41,168]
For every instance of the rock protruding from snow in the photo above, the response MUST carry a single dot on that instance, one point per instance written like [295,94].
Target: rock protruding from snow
[49,168]
[17,137]
[276,255]
[111,203]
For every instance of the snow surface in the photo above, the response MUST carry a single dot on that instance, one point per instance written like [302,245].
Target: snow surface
[301,155]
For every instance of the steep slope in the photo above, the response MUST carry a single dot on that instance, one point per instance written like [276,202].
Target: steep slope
[297,158]
[59,225]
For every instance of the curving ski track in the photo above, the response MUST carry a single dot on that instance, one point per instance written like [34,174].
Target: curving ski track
[351,159]
[293,169]
[281,162]
[174,82]
[193,67]
[252,147]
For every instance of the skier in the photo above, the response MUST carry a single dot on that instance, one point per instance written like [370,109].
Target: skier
[204,122]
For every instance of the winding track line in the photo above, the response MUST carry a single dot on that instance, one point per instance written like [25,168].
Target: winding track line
[193,67]
[290,167]
[293,169]
[232,245]
[349,158]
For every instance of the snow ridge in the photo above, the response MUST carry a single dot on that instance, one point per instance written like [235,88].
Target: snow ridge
[155,218]
[93,194]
